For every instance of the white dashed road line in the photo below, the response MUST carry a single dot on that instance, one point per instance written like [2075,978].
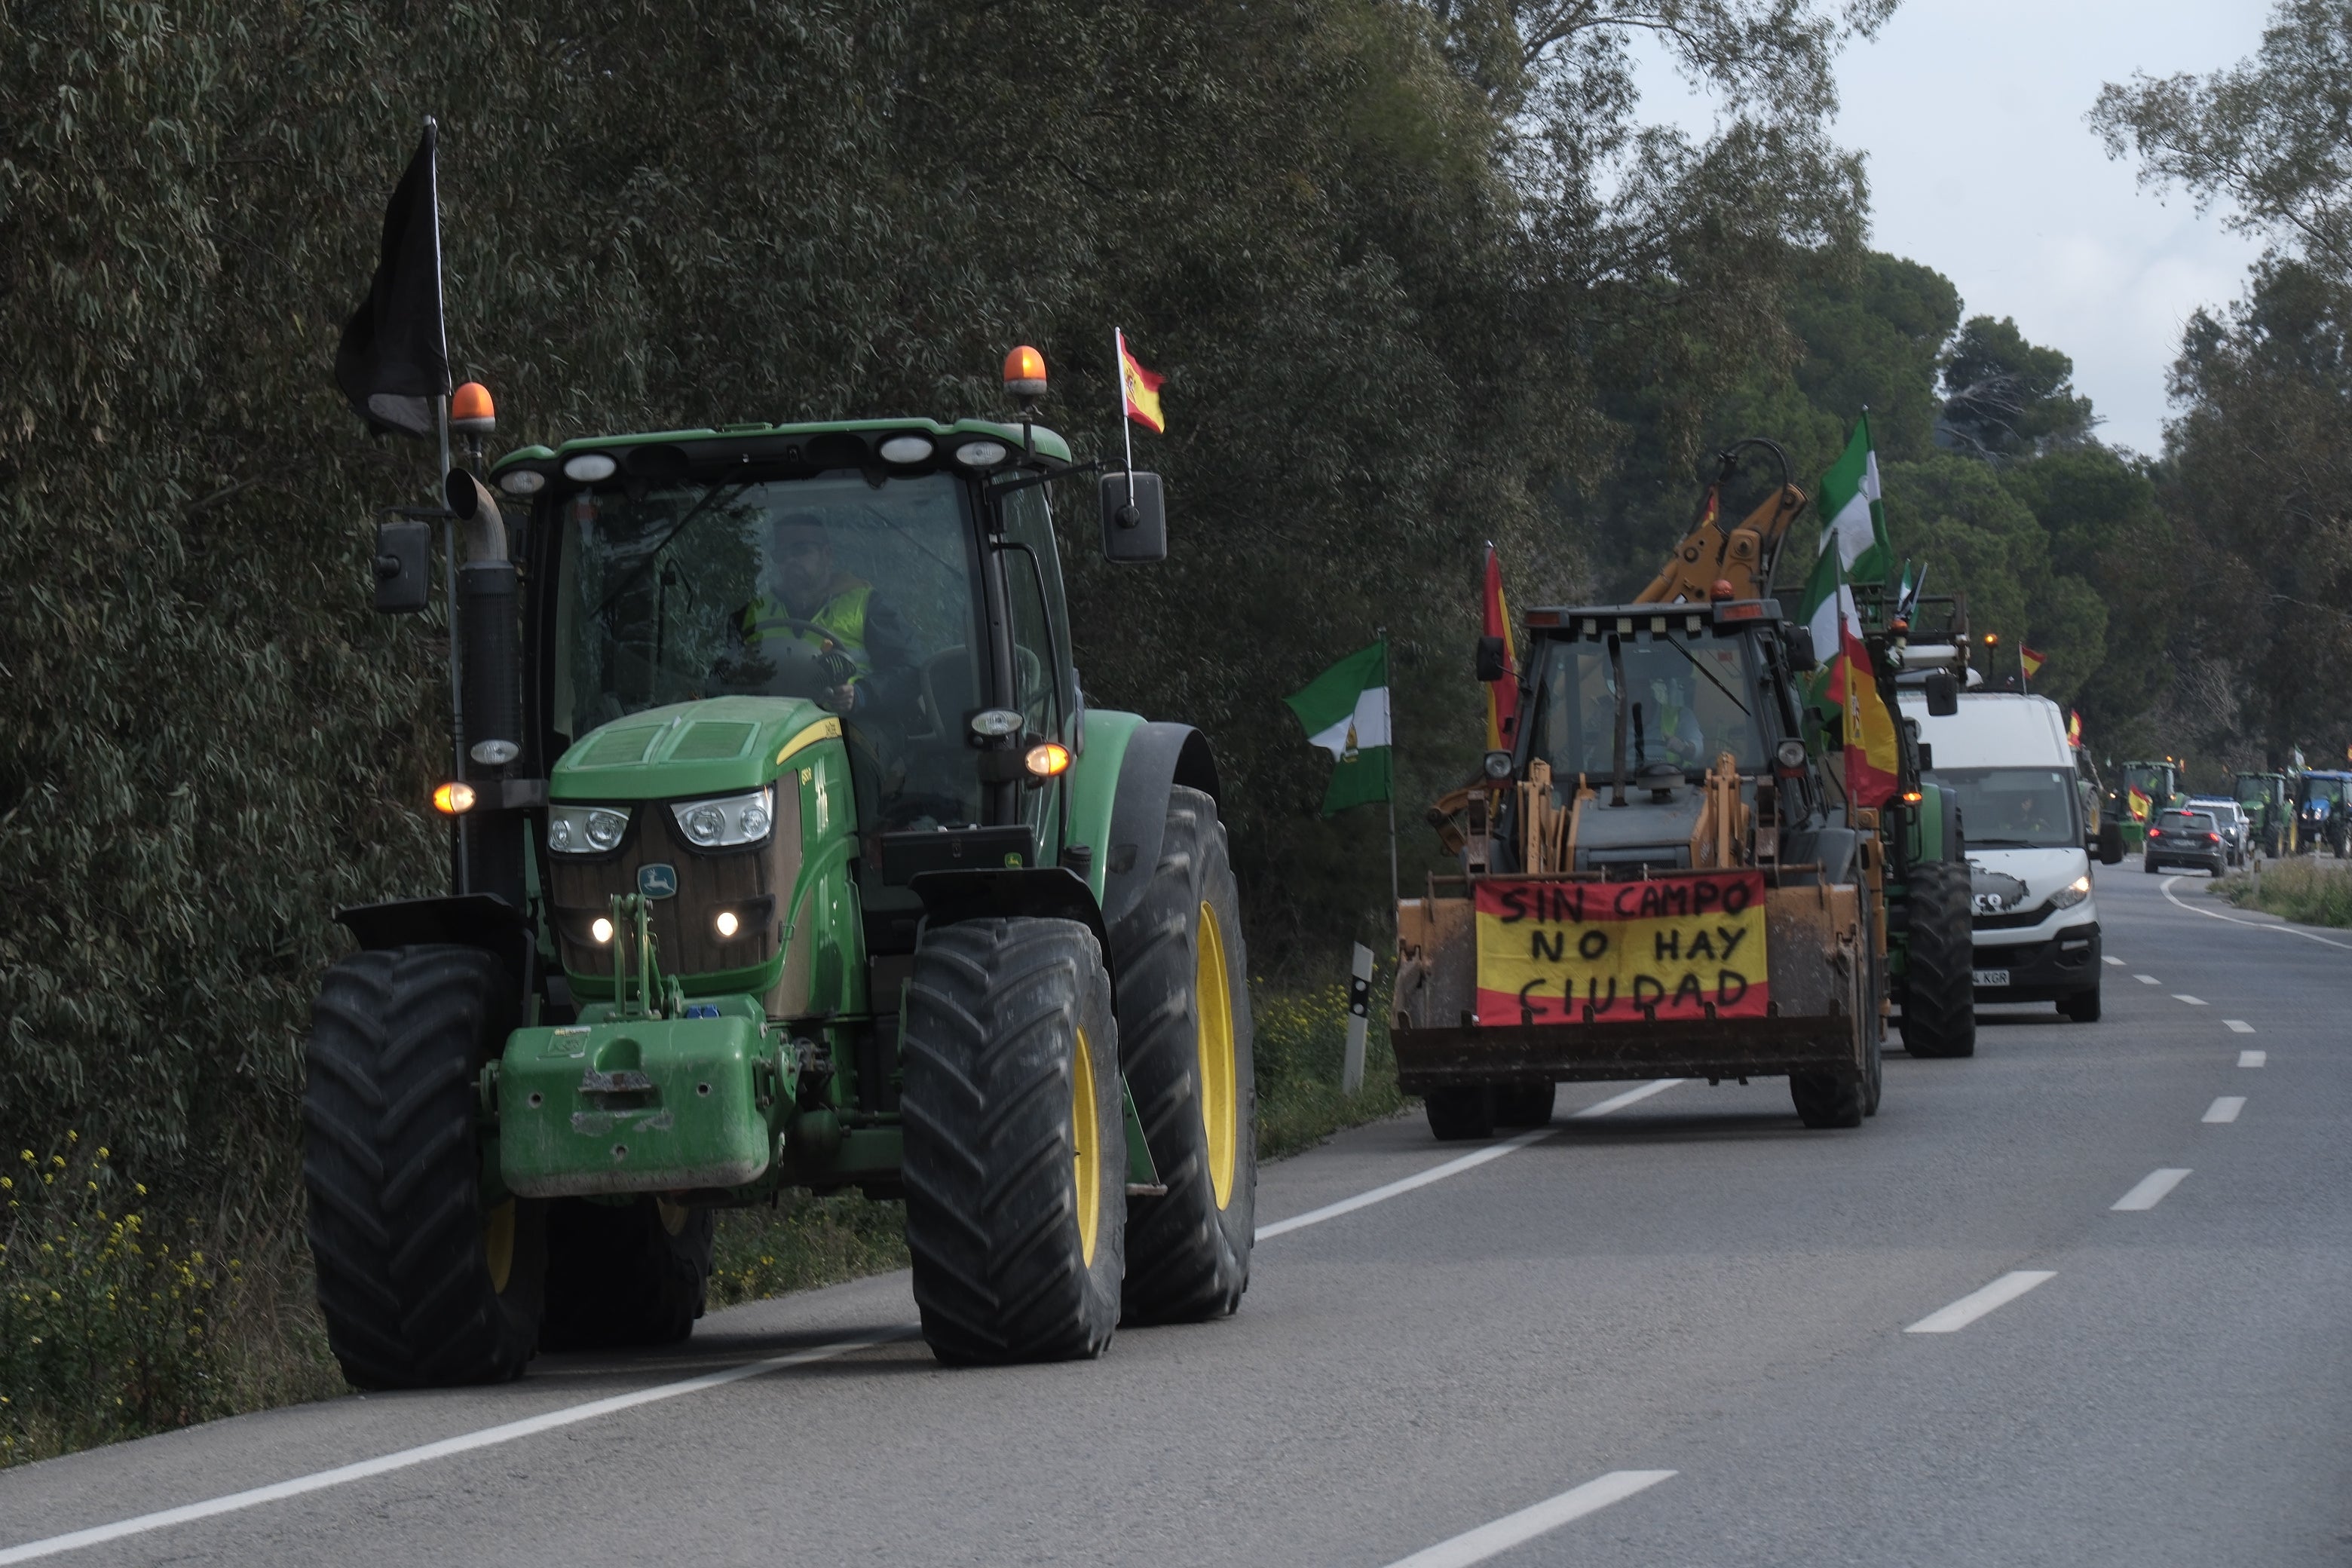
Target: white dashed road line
[1517,1529]
[2253,1058]
[2238,1025]
[2150,1191]
[2192,1000]
[1469,1161]
[2113,959]
[2148,980]
[1977,1304]
[2225,1109]
[488,1437]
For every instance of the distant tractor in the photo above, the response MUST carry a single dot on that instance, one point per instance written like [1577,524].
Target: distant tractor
[787,855]
[2321,813]
[2142,790]
[2266,799]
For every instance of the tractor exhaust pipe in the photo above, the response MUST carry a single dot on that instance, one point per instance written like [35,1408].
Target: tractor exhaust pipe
[489,651]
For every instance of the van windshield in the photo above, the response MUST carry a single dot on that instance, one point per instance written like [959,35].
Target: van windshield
[2015,808]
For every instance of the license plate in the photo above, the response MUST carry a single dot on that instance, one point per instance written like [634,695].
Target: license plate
[1991,976]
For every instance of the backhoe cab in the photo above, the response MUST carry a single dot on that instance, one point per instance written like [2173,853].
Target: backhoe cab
[787,855]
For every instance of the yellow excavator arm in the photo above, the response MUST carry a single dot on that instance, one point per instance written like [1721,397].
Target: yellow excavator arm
[1713,553]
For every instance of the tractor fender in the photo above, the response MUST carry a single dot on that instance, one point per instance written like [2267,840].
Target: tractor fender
[464,919]
[1042,892]
[1159,757]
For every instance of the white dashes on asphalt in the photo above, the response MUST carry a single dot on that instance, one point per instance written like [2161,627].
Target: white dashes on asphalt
[2239,1025]
[1977,1304]
[2148,980]
[2253,1058]
[1517,1529]
[2192,1000]
[2117,962]
[2225,1109]
[2150,1191]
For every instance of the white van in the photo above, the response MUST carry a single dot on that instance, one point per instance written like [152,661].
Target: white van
[2036,922]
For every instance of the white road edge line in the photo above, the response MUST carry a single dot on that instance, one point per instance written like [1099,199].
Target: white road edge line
[2225,1109]
[1469,1161]
[2192,1000]
[2253,1058]
[2150,1191]
[1977,1304]
[1516,1528]
[2238,1025]
[2148,980]
[2258,925]
[488,1437]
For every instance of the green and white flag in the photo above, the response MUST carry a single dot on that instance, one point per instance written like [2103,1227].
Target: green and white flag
[1851,512]
[1345,712]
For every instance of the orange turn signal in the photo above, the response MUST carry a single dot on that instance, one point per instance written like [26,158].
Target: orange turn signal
[1046,759]
[1912,797]
[1025,373]
[471,410]
[454,799]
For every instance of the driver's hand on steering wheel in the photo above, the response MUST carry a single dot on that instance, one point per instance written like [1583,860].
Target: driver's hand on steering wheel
[840,698]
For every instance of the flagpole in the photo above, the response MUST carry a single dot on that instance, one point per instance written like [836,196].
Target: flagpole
[1389,701]
[1126,426]
[448,530]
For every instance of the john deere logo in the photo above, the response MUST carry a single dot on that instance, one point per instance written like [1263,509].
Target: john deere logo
[657,881]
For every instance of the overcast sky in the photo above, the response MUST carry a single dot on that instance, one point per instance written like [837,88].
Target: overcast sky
[1970,113]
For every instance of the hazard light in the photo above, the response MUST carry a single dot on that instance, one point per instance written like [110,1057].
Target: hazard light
[1025,373]
[454,799]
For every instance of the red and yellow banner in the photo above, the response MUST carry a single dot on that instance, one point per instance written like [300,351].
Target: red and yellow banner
[1684,946]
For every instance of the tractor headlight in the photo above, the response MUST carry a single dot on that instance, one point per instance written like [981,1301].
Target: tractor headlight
[2072,893]
[727,821]
[585,829]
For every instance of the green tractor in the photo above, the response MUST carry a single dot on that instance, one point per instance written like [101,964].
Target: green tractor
[2267,800]
[787,855]
[2142,790]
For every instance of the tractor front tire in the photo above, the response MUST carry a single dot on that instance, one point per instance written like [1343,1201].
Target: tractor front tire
[1525,1104]
[422,1283]
[1015,1165]
[1826,1099]
[628,1274]
[1939,1001]
[1184,1043]
[1457,1115]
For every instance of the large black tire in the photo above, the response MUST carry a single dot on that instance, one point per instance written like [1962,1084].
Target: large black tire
[1455,1114]
[624,1274]
[1184,1043]
[1940,1000]
[1826,1099]
[1015,1162]
[1525,1104]
[421,1283]
[2111,843]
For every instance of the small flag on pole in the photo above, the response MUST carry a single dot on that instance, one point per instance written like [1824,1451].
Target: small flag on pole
[1502,696]
[1346,712]
[2028,661]
[2073,727]
[1854,545]
[393,359]
[1140,388]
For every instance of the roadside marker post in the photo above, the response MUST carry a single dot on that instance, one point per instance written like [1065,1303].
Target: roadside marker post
[1359,1007]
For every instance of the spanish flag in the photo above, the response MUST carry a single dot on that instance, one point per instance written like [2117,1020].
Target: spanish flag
[2030,661]
[2073,727]
[1140,387]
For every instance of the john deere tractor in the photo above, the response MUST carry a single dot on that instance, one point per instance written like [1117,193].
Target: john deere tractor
[2143,791]
[787,855]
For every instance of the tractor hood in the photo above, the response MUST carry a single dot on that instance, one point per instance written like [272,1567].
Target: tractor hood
[1641,833]
[711,747]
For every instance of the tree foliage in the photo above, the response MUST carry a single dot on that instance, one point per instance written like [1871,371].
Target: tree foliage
[1391,257]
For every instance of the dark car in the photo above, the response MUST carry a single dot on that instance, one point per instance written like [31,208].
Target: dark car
[2187,838]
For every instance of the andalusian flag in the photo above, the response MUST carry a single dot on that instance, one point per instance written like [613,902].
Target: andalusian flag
[1502,696]
[1140,389]
[1854,545]
[1345,712]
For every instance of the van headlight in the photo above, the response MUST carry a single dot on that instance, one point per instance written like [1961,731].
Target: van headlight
[585,829]
[2072,893]
[727,821]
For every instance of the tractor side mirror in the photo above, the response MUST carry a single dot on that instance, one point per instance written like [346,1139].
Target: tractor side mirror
[1943,696]
[1490,659]
[1134,519]
[1927,757]
[404,568]
[1803,657]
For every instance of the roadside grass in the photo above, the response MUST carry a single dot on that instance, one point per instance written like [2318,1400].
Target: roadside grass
[125,1312]
[2304,890]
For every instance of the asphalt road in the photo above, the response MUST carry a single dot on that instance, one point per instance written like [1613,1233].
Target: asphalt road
[1671,1332]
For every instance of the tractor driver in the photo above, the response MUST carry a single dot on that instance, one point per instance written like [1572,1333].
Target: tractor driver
[804,597]
[1677,725]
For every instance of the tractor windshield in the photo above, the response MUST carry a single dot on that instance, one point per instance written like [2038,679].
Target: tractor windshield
[1689,699]
[2146,780]
[859,597]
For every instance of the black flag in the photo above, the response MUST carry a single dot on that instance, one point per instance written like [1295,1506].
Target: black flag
[395,359]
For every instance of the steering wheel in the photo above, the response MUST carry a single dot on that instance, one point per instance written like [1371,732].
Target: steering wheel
[787,667]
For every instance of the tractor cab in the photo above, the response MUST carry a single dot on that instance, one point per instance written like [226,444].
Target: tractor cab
[2264,799]
[2320,807]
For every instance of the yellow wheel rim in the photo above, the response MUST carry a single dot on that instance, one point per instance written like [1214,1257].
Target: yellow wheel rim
[1212,1002]
[498,1244]
[1086,1153]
